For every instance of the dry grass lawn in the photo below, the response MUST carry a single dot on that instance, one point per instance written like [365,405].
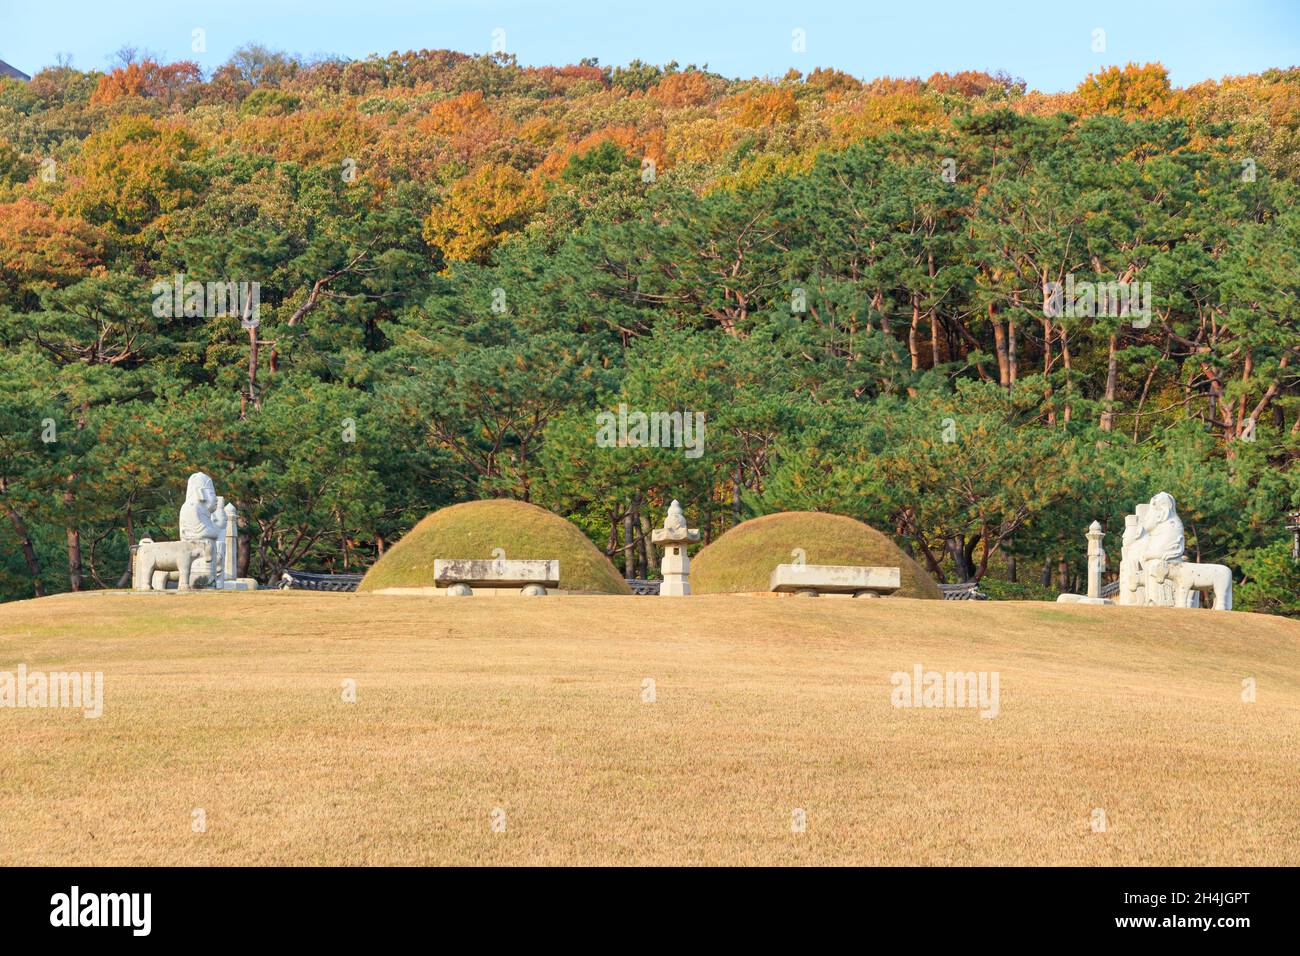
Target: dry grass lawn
[233,703]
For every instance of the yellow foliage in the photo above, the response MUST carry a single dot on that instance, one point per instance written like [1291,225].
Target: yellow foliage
[479,211]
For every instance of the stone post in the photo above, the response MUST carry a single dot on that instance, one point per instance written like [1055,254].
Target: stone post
[1096,559]
[673,537]
[232,542]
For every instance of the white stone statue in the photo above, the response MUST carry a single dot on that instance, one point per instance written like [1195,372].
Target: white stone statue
[207,553]
[155,559]
[231,570]
[673,537]
[203,519]
[1190,579]
[1096,560]
[1153,570]
[1155,557]
[1131,590]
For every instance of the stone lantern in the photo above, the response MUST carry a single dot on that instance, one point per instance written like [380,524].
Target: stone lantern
[674,537]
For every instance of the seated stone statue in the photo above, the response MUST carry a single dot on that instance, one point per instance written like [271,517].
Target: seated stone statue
[203,519]
[1167,578]
[1162,542]
[198,558]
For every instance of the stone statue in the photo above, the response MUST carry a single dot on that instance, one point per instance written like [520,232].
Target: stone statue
[206,554]
[1154,570]
[1162,538]
[675,519]
[1131,590]
[1162,541]
[154,559]
[1096,570]
[203,519]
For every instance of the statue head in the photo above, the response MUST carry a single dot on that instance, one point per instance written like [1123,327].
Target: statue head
[1160,510]
[200,490]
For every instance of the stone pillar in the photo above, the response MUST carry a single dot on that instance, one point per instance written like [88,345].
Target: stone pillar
[1096,559]
[232,542]
[674,537]
[676,569]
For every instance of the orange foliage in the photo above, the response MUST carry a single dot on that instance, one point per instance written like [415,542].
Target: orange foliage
[868,115]
[965,83]
[40,247]
[1133,89]
[639,144]
[684,89]
[310,136]
[767,108]
[469,125]
[832,81]
[147,78]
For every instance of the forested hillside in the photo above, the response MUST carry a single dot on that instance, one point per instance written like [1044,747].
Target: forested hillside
[461,262]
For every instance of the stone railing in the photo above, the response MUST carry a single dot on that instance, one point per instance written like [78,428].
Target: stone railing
[966,591]
[310,581]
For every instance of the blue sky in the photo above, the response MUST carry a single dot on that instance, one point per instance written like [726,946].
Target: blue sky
[1048,44]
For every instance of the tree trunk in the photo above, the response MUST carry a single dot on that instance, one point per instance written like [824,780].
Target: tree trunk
[957,550]
[253,398]
[130,554]
[647,547]
[911,343]
[1112,374]
[629,560]
[1013,361]
[1047,370]
[1065,364]
[25,542]
[1000,348]
[245,548]
[75,573]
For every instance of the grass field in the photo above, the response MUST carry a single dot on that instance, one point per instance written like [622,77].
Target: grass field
[233,704]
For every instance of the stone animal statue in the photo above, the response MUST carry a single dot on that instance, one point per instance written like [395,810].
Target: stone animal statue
[179,556]
[1188,577]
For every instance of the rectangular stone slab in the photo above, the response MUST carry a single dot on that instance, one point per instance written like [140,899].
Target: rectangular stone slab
[835,578]
[492,573]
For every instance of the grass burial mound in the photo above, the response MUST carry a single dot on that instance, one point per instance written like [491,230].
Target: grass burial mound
[475,528]
[743,558]
[466,710]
